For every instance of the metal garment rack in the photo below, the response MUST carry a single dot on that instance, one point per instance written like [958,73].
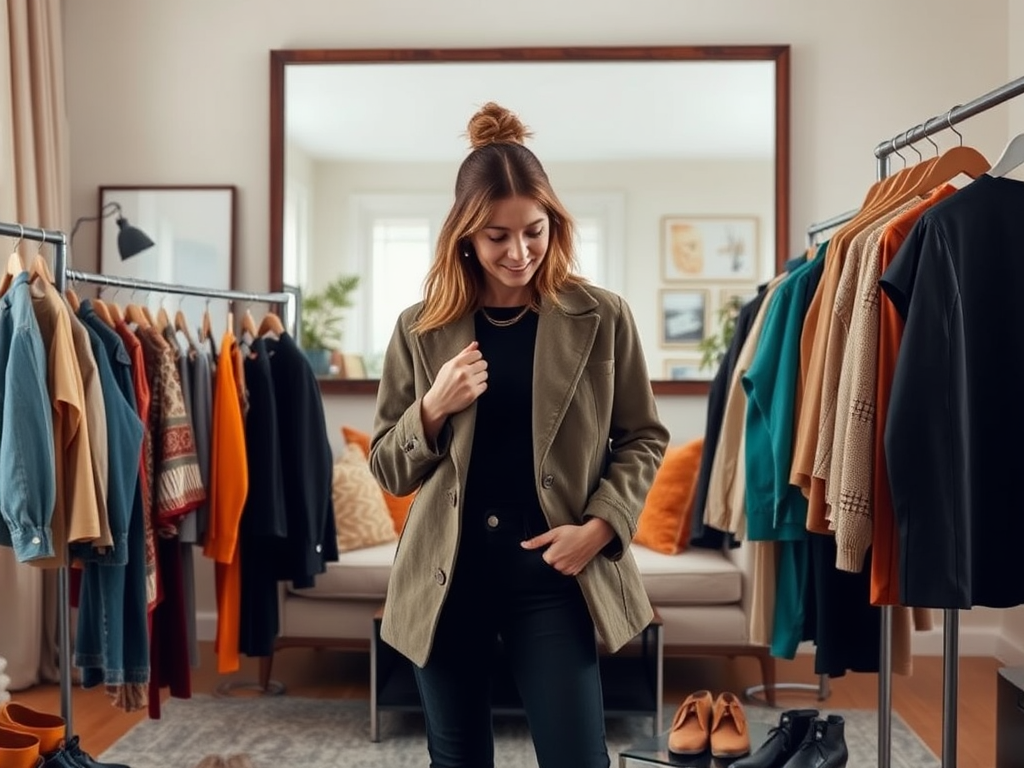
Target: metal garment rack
[951,616]
[824,226]
[61,276]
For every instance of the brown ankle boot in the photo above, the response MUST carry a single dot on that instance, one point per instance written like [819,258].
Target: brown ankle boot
[47,728]
[18,750]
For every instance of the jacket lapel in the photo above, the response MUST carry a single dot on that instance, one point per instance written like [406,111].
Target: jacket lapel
[436,348]
[565,336]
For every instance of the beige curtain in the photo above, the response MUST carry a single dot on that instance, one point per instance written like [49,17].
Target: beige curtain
[35,190]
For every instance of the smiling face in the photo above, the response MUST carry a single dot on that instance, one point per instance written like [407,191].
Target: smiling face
[510,248]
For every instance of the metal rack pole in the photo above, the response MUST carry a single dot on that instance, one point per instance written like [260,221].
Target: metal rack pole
[885,629]
[950,683]
[824,226]
[956,115]
[282,297]
[59,241]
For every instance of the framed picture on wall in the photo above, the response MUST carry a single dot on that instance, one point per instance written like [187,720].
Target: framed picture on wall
[687,369]
[684,317]
[716,249]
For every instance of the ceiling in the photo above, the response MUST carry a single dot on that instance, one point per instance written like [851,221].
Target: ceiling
[578,111]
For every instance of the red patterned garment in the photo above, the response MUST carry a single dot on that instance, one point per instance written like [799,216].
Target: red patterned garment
[177,485]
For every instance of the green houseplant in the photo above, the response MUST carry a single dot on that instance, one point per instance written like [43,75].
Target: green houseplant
[713,348]
[320,332]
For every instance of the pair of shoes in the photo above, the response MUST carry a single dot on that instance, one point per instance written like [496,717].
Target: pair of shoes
[703,722]
[802,739]
[23,725]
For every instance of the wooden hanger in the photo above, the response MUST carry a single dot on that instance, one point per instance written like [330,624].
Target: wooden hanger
[133,314]
[103,311]
[15,266]
[162,319]
[146,313]
[271,323]
[949,165]
[181,324]
[40,268]
[72,297]
[206,330]
[114,312]
[249,324]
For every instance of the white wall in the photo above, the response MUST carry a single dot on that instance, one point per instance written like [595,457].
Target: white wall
[177,92]
[649,190]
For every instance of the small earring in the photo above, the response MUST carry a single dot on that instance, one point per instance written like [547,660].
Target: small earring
[465,254]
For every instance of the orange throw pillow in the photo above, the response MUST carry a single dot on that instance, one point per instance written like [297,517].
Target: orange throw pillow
[665,521]
[398,506]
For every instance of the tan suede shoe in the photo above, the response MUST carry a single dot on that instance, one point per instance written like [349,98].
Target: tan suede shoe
[17,749]
[729,734]
[49,729]
[691,725]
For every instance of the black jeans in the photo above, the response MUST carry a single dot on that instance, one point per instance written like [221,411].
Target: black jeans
[501,590]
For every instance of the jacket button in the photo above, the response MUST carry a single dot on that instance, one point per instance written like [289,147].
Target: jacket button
[453,497]
[410,444]
[548,481]
[440,578]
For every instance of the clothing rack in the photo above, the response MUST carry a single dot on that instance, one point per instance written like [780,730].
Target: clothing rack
[62,273]
[951,616]
[60,242]
[824,226]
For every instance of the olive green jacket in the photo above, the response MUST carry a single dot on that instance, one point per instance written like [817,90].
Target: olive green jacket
[597,444]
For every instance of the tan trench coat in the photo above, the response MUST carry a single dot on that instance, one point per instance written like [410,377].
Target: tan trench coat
[597,444]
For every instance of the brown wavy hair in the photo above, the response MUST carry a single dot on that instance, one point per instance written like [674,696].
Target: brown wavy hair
[498,167]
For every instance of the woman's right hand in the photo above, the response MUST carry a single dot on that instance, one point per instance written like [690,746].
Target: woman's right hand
[459,382]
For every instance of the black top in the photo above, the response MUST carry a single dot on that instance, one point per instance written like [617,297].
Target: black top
[501,464]
[956,414]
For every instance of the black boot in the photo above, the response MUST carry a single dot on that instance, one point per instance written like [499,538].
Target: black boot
[824,746]
[83,759]
[782,741]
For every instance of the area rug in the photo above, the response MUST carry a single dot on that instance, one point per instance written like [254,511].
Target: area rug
[326,733]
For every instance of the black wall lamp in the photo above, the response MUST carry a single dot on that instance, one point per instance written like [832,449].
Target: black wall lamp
[130,240]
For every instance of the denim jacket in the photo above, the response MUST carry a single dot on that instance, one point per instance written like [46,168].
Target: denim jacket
[28,486]
[124,434]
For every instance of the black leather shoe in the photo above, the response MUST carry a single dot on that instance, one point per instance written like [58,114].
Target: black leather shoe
[82,759]
[782,742]
[824,746]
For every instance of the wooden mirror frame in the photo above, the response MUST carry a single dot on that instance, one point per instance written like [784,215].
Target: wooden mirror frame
[280,59]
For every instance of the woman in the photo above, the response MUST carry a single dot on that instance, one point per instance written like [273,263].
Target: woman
[516,397]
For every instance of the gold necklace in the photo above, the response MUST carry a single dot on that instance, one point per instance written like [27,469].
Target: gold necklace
[505,323]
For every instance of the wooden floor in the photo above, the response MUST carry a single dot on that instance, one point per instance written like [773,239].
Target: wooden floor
[328,674]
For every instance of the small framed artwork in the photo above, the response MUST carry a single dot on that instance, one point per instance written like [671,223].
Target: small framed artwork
[711,248]
[684,317]
[677,369]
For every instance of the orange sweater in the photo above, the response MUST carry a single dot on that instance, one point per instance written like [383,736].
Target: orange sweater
[885,546]
[229,485]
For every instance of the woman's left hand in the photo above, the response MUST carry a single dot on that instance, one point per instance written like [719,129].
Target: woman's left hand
[571,547]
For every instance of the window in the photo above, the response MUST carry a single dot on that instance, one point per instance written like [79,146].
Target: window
[395,239]
[591,248]
[401,254]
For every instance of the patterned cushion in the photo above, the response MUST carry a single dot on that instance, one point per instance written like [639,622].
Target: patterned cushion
[360,514]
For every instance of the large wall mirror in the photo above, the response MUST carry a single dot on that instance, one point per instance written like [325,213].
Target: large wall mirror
[673,160]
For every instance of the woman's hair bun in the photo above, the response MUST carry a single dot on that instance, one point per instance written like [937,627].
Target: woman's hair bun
[493,124]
